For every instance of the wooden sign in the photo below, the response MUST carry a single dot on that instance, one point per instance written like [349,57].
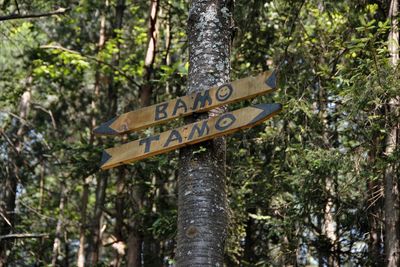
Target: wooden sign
[189,134]
[197,102]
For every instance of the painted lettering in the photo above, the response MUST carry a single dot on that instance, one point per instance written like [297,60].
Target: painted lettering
[224,92]
[173,136]
[225,121]
[160,111]
[148,141]
[203,130]
[180,104]
[202,98]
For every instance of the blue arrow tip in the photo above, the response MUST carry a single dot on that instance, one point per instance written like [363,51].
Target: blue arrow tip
[104,158]
[105,128]
[271,81]
[267,110]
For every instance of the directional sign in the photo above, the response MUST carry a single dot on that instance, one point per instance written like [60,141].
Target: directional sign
[188,134]
[197,102]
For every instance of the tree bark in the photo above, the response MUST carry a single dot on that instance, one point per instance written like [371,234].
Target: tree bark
[202,201]
[391,179]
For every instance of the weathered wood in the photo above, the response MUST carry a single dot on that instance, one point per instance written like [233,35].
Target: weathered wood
[189,134]
[183,106]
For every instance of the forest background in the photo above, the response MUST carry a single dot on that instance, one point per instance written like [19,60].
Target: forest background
[314,186]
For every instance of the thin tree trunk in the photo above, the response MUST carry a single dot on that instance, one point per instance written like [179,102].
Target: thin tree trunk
[391,179]
[135,239]
[95,233]
[7,206]
[152,35]
[119,213]
[8,185]
[93,241]
[374,220]
[329,252]
[82,230]
[248,254]
[60,225]
[202,200]
[375,211]
[150,247]
[329,226]
[96,91]
[41,185]
[112,97]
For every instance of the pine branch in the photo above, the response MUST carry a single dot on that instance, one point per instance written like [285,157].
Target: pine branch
[29,16]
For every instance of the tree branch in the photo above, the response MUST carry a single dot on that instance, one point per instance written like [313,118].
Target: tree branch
[28,16]
[13,236]
[94,59]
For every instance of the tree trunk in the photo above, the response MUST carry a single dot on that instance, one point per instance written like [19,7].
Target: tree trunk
[375,209]
[134,247]
[202,201]
[374,221]
[329,226]
[8,185]
[135,239]
[82,230]
[112,97]
[7,205]
[93,241]
[391,179]
[119,213]
[248,254]
[60,225]
[152,35]
[119,201]
[150,247]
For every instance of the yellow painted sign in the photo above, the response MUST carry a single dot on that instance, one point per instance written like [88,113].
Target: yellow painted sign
[189,134]
[183,106]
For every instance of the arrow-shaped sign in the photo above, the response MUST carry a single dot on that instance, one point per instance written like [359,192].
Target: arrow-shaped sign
[197,102]
[189,134]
